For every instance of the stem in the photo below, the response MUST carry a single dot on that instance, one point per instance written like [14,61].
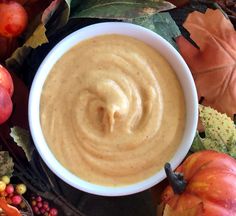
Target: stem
[176,180]
[67,208]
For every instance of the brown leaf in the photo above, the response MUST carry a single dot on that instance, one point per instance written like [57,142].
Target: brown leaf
[213,65]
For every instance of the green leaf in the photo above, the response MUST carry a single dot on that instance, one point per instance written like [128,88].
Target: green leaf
[162,24]
[119,9]
[6,164]
[197,144]
[22,138]
[36,39]
[220,132]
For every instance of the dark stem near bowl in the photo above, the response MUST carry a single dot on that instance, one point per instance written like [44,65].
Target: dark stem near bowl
[176,180]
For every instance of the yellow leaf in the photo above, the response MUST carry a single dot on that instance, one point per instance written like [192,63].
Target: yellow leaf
[37,38]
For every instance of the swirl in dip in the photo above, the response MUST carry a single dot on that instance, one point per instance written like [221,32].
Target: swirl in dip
[112,110]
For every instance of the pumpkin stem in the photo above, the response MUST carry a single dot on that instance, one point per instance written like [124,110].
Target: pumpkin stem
[176,180]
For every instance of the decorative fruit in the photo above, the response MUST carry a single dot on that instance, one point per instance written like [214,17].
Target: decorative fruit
[16,199]
[6,80]
[20,189]
[41,207]
[2,186]
[53,212]
[13,20]
[33,203]
[39,199]
[5,105]
[9,189]
[208,181]
[6,179]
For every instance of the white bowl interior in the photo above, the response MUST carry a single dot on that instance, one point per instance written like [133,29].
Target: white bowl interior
[149,37]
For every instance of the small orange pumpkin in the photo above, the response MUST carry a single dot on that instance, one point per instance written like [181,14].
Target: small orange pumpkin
[207,179]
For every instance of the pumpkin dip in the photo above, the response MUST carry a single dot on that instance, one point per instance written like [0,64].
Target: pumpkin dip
[112,110]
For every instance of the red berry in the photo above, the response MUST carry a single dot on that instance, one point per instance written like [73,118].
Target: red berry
[9,188]
[16,200]
[45,205]
[35,209]
[40,204]
[38,199]
[53,211]
[7,83]
[13,20]
[5,105]
[42,211]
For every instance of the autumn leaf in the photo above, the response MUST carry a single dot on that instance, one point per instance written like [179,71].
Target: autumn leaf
[35,34]
[22,139]
[144,13]
[162,24]
[213,65]
[6,164]
[119,9]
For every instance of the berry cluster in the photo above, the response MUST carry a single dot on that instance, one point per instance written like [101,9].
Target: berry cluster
[41,207]
[12,194]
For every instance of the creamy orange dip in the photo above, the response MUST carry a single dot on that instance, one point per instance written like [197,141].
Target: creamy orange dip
[112,110]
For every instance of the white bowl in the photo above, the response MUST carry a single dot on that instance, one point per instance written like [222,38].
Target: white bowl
[166,50]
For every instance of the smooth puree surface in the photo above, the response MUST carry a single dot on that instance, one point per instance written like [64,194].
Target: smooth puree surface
[112,110]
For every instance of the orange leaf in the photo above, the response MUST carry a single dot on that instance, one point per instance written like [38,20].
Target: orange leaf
[213,65]
[8,209]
